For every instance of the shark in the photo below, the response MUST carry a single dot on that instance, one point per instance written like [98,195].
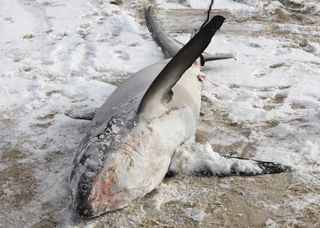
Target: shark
[133,136]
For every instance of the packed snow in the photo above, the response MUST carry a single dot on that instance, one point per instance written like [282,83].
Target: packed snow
[59,56]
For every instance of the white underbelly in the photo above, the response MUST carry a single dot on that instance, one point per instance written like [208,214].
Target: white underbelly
[142,159]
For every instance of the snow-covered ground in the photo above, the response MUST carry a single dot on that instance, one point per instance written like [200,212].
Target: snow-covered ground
[56,56]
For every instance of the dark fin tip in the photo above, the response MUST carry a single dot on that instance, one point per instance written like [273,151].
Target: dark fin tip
[266,167]
[170,174]
[217,22]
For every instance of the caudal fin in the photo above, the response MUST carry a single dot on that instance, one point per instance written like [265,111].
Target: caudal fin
[168,46]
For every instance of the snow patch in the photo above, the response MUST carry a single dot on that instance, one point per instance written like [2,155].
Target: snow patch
[304,201]
[311,151]
[195,214]
[204,4]
[223,4]
[3,167]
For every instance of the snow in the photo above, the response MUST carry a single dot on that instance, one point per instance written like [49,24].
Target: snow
[222,4]
[204,4]
[2,167]
[56,57]
[195,214]
[269,223]
[299,140]
[64,55]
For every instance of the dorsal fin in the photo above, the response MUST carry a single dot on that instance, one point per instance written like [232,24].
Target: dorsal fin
[172,72]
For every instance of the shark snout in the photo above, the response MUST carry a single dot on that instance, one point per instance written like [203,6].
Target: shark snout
[96,198]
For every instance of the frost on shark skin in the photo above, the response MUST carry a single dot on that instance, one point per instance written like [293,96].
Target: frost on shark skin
[133,131]
[129,147]
[38,80]
[201,160]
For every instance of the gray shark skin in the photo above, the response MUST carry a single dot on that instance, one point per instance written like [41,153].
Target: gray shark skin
[123,156]
[169,47]
[119,109]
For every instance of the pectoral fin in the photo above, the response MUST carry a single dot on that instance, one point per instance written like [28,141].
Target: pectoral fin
[208,57]
[172,72]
